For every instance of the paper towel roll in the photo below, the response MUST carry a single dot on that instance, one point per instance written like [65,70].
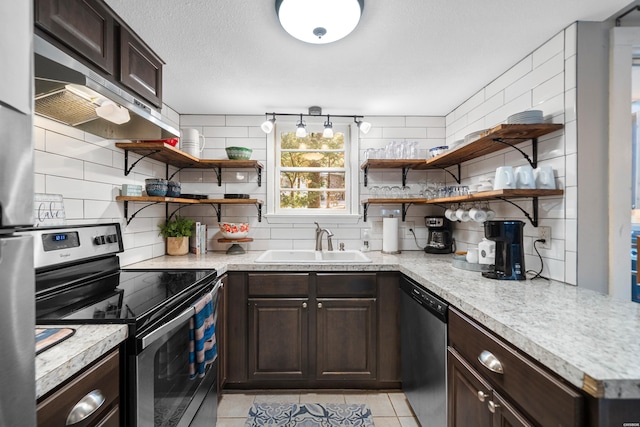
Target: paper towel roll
[390,235]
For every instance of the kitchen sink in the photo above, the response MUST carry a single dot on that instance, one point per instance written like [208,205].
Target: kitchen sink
[312,257]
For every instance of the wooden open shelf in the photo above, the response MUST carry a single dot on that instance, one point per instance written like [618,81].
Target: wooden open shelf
[496,194]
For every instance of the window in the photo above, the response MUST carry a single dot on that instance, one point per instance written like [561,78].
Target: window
[313,175]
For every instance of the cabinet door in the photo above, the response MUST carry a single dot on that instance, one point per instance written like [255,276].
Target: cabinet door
[85,26]
[504,415]
[468,394]
[140,68]
[278,338]
[346,338]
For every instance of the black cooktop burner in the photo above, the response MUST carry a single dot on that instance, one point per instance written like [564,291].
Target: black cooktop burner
[124,296]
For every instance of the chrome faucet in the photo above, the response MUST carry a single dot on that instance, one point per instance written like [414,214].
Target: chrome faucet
[319,232]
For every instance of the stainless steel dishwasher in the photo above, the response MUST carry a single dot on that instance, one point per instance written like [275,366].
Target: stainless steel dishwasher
[423,333]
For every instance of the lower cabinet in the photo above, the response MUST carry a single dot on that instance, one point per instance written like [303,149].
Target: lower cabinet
[472,400]
[313,330]
[90,399]
[489,381]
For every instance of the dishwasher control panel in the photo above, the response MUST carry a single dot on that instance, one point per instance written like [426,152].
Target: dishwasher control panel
[428,300]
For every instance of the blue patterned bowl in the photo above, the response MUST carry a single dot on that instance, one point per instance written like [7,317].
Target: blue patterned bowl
[156,187]
[173,189]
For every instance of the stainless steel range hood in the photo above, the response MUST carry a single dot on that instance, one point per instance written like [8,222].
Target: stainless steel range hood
[69,92]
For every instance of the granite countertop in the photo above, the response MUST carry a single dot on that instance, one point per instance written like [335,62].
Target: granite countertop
[587,338]
[63,360]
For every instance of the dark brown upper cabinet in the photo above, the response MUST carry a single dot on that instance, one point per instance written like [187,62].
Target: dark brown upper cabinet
[140,68]
[86,26]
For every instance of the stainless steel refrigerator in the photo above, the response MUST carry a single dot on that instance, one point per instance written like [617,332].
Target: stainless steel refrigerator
[17,288]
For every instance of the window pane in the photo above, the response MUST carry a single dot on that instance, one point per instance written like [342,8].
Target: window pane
[313,141]
[312,199]
[314,159]
[311,180]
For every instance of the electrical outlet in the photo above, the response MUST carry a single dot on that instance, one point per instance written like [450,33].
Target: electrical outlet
[409,225]
[544,233]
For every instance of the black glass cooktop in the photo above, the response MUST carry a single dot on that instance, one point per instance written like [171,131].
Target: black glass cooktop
[123,296]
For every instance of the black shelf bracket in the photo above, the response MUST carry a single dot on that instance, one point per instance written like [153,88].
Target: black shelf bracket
[457,178]
[534,219]
[128,169]
[218,172]
[405,171]
[366,173]
[173,174]
[126,210]
[259,207]
[365,208]
[259,172]
[405,208]
[534,148]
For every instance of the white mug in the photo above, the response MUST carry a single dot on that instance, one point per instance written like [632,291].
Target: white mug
[505,178]
[472,255]
[478,214]
[463,215]
[524,177]
[190,141]
[545,178]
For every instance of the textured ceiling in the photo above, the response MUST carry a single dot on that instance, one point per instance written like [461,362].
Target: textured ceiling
[406,57]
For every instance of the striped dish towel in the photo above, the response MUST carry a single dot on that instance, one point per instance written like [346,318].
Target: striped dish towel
[202,337]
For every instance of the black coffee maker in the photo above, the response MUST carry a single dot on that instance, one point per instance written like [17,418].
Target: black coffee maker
[509,263]
[440,237]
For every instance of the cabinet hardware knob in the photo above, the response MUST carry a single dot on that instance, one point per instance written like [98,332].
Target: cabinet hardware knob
[85,407]
[490,362]
[492,406]
[319,305]
[304,305]
[482,395]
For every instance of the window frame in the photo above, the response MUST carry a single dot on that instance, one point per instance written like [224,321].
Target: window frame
[274,213]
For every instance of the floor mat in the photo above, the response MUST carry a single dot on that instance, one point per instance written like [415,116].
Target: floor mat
[309,415]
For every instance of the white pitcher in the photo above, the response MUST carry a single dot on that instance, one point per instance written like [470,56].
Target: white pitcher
[190,141]
[524,177]
[545,178]
[505,178]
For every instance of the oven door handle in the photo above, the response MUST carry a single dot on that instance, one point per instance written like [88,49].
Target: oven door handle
[149,339]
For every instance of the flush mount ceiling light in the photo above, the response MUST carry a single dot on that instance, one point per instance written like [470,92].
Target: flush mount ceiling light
[319,21]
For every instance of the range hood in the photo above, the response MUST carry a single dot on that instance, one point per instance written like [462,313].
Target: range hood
[69,92]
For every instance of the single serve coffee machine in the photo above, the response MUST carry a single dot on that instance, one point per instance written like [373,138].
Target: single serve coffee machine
[440,238]
[509,262]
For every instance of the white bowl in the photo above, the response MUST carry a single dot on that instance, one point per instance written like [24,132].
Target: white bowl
[234,230]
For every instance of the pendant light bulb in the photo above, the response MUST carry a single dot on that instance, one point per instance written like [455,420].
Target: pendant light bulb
[267,125]
[365,127]
[328,128]
[301,132]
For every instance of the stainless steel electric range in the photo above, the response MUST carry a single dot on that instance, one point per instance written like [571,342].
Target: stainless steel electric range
[79,281]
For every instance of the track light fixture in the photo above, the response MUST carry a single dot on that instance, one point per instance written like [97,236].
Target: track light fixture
[301,131]
[328,128]
[267,125]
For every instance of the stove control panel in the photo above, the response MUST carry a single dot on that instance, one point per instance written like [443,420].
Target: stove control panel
[61,245]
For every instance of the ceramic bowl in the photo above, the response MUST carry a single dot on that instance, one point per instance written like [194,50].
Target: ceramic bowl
[156,187]
[436,151]
[173,189]
[238,153]
[234,230]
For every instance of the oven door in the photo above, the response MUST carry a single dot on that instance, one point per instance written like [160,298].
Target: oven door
[165,394]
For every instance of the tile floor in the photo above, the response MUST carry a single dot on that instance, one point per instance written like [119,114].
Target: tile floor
[388,409]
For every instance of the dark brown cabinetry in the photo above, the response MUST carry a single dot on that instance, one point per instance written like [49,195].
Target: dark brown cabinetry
[86,26]
[313,330]
[514,390]
[100,382]
[222,332]
[140,68]
[95,34]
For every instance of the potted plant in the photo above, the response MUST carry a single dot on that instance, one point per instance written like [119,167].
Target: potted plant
[177,232]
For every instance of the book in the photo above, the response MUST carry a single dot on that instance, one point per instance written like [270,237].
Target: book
[195,240]
[203,238]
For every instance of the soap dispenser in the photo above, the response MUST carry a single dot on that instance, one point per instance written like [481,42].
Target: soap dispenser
[365,241]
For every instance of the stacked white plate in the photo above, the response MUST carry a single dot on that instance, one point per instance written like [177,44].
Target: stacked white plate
[526,117]
[473,136]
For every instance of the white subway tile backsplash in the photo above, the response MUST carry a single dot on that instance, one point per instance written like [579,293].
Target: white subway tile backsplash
[96,209]
[570,40]
[425,121]
[401,133]
[255,121]
[511,76]
[551,48]
[197,121]
[470,104]
[225,132]
[53,164]
[77,189]
[65,145]
[570,72]
[386,122]
[547,90]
